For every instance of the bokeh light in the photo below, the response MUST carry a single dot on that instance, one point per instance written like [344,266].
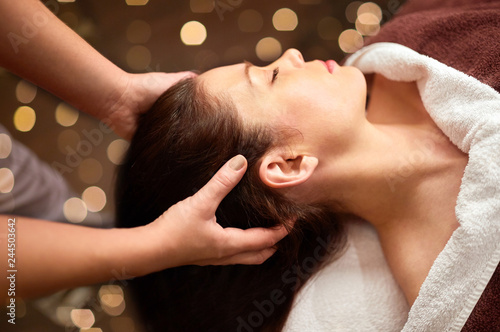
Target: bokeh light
[370,8]
[82,318]
[250,20]
[116,150]
[5,146]
[66,115]
[90,171]
[138,32]
[111,295]
[138,57]
[193,33]
[136,2]
[285,19]
[350,41]
[115,311]
[329,28]
[75,210]
[6,180]
[268,49]
[202,6]
[25,92]
[112,299]
[95,198]
[24,118]
[351,11]
[367,24]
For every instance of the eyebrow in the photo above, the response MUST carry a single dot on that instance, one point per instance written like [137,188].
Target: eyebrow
[248,64]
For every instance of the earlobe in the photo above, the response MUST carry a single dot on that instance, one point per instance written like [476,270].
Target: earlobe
[277,171]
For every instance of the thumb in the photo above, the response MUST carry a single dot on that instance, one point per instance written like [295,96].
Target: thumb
[158,82]
[170,79]
[209,197]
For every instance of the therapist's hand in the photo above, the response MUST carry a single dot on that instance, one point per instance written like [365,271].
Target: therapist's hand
[188,232]
[138,93]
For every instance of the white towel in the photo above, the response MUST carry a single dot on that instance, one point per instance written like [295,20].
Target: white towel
[468,112]
[357,292]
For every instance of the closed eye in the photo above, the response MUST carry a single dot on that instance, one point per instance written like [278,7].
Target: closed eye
[275,74]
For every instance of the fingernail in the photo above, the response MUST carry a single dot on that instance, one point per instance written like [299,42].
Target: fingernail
[237,163]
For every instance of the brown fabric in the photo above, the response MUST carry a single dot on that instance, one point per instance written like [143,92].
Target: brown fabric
[486,313]
[464,35]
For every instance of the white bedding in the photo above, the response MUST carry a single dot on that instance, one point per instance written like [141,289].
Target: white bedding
[357,292]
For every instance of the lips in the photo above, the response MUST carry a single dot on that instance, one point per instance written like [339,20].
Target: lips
[331,65]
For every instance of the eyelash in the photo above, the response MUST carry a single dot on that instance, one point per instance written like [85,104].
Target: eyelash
[275,74]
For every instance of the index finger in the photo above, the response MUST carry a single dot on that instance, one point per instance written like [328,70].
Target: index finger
[227,177]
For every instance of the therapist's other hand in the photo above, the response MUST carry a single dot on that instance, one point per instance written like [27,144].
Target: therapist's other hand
[137,94]
[189,233]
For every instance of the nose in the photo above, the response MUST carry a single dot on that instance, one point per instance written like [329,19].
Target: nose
[294,57]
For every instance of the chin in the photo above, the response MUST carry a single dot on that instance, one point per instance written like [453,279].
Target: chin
[359,84]
[359,77]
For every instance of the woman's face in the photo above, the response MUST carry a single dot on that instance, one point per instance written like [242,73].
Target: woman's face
[326,103]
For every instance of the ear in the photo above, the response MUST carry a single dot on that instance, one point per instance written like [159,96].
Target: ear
[278,171]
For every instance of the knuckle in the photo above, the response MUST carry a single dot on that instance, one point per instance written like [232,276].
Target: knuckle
[224,179]
[221,246]
[261,258]
[271,242]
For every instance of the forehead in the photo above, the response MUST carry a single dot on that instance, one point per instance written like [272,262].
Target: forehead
[224,79]
[230,82]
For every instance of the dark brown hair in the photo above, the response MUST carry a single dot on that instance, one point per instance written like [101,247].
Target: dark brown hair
[179,145]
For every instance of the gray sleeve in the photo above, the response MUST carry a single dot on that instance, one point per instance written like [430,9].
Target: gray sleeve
[39,191]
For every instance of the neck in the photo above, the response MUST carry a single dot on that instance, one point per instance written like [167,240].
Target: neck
[401,159]
[404,179]
[398,176]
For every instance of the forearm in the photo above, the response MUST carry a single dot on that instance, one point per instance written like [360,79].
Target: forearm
[51,256]
[54,57]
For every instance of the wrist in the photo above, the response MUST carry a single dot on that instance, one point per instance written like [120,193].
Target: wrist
[133,252]
[116,101]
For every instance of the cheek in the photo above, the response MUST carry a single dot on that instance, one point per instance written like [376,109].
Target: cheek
[309,105]
[325,102]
